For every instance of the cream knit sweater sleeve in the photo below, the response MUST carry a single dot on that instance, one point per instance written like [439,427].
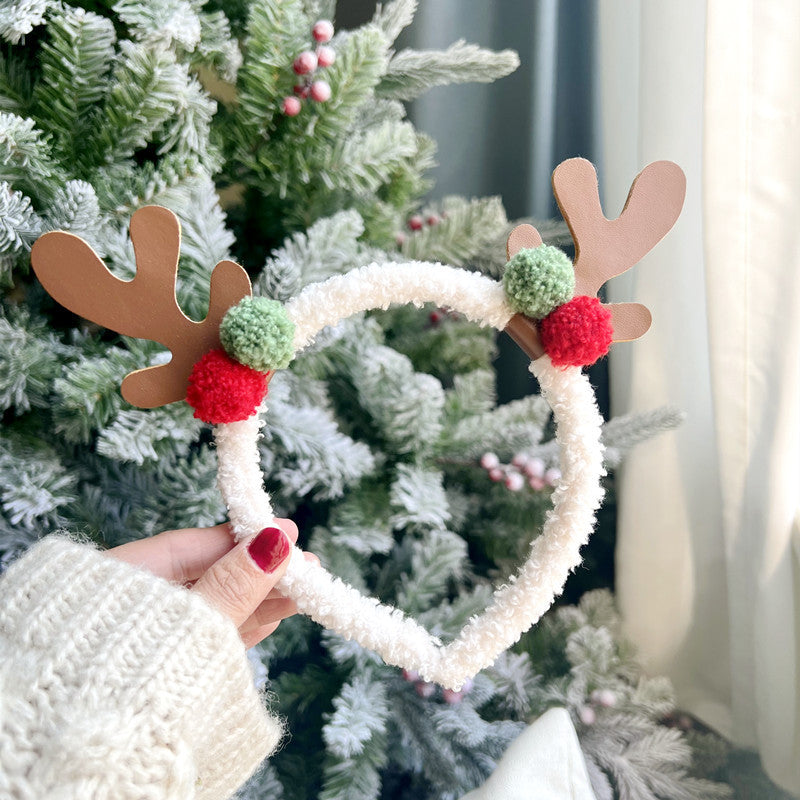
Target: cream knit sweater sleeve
[117,684]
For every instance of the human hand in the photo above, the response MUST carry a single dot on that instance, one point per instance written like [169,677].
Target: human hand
[237,579]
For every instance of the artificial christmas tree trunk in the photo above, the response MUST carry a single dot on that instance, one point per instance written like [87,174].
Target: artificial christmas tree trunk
[376,435]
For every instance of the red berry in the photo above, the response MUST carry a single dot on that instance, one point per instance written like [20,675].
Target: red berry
[415,223]
[325,55]
[320,91]
[322,30]
[304,63]
[432,219]
[291,106]
[222,390]
[302,90]
[577,333]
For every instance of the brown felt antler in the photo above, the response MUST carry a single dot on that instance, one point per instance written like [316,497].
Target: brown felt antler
[605,248]
[608,247]
[146,306]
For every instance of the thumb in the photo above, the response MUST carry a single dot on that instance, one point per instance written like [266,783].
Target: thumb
[244,576]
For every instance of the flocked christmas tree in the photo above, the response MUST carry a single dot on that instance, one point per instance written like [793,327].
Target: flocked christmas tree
[383,441]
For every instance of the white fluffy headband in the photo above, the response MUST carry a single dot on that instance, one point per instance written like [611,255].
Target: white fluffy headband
[222,366]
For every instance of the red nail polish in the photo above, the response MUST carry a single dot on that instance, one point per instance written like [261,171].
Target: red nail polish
[269,549]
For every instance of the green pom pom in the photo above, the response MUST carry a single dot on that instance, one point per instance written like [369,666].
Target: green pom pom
[258,333]
[539,280]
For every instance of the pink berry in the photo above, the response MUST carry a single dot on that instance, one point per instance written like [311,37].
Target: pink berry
[291,106]
[496,474]
[425,689]
[535,468]
[320,91]
[489,461]
[552,476]
[519,460]
[514,481]
[304,63]
[451,697]
[302,90]
[604,697]
[400,238]
[586,715]
[432,219]
[410,675]
[322,30]
[537,484]
[415,223]
[325,55]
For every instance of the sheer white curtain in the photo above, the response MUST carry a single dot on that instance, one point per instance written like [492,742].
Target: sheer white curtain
[709,537]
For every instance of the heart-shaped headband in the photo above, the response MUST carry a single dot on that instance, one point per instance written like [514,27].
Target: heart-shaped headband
[222,366]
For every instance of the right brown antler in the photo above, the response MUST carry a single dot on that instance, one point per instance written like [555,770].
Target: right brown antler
[607,247]
[145,307]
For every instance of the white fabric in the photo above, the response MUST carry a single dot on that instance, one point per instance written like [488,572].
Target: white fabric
[115,684]
[544,762]
[520,602]
[707,575]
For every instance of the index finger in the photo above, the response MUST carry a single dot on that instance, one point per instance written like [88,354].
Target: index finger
[184,555]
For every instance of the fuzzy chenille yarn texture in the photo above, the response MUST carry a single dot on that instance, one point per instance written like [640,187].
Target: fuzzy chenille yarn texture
[117,684]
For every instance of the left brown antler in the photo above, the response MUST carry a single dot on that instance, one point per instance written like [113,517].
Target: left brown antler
[146,306]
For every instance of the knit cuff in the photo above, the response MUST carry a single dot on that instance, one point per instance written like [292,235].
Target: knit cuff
[117,683]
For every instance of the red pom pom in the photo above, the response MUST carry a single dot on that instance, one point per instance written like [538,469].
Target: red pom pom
[223,390]
[577,333]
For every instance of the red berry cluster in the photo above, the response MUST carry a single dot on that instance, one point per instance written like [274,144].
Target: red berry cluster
[306,64]
[440,315]
[522,470]
[427,690]
[417,222]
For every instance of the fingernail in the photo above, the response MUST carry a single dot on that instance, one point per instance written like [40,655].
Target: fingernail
[269,549]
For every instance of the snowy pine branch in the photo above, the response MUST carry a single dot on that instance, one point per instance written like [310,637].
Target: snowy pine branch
[328,247]
[418,499]
[624,432]
[355,738]
[393,16]
[76,62]
[406,406]
[507,429]
[463,230]
[436,559]
[19,228]
[20,17]
[412,72]
[161,21]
